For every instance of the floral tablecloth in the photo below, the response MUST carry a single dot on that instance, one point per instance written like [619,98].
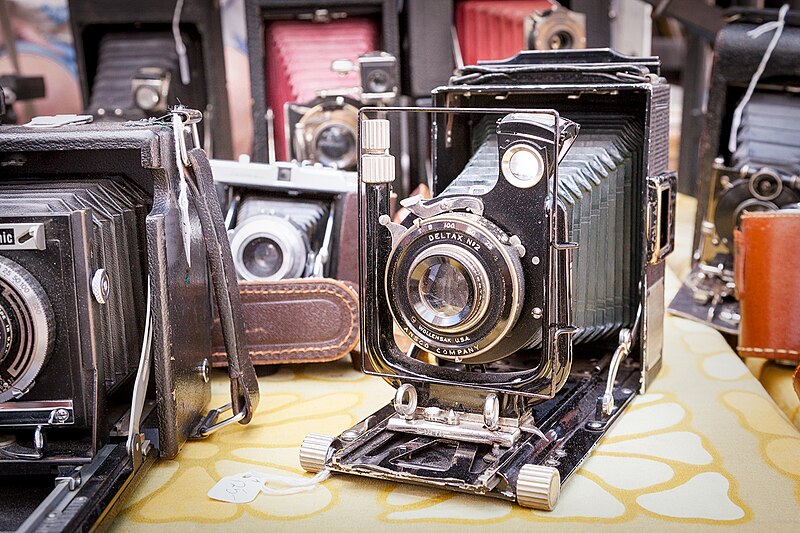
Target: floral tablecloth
[706,446]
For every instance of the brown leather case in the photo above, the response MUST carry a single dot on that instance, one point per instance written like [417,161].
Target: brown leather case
[767,278]
[311,320]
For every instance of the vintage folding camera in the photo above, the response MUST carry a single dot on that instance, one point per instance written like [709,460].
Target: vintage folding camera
[495,30]
[292,47]
[106,284]
[137,59]
[520,310]
[751,163]
[287,220]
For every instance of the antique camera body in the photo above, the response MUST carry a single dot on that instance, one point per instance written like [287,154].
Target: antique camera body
[752,165]
[490,30]
[98,287]
[135,61]
[290,221]
[519,310]
[14,88]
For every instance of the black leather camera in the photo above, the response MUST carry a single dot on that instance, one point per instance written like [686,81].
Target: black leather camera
[750,157]
[290,221]
[519,310]
[105,277]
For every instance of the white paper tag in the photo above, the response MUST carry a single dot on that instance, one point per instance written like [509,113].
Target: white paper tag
[239,488]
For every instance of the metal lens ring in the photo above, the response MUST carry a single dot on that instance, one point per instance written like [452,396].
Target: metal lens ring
[766,184]
[267,247]
[454,287]
[26,317]
[328,134]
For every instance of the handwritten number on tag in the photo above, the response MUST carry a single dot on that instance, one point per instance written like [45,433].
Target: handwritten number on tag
[236,489]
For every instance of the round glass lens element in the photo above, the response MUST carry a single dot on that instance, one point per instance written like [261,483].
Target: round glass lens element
[334,144]
[378,81]
[445,288]
[262,257]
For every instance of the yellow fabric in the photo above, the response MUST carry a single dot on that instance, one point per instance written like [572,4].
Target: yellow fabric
[705,446]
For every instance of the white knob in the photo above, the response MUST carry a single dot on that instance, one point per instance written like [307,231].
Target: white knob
[314,452]
[538,487]
[375,135]
[377,168]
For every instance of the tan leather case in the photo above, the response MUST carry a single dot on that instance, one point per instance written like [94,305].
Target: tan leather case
[311,320]
[767,277]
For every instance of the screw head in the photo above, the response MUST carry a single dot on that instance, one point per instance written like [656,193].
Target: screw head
[59,416]
[205,370]
[537,312]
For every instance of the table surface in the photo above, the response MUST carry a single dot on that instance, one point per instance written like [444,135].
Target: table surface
[706,446]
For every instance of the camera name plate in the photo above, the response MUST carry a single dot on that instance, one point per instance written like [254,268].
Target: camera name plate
[22,236]
[37,413]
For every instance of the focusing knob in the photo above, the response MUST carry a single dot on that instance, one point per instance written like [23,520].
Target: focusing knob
[314,452]
[375,135]
[538,487]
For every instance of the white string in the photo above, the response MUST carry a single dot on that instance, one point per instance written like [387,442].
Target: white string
[296,484]
[776,25]
[180,48]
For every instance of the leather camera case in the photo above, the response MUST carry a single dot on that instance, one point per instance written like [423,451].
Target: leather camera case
[768,284]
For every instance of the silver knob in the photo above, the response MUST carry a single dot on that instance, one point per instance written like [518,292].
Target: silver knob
[375,135]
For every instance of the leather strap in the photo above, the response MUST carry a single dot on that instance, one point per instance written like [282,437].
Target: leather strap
[767,281]
[244,384]
[311,320]
[797,381]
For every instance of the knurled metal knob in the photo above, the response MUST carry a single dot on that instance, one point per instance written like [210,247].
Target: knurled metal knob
[377,168]
[375,135]
[538,487]
[314,452]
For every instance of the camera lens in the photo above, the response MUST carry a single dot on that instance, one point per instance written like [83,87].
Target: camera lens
[269,247]
[442,287]
[262,257]
[561,39]
[378,81]
[766,185]
[26,329]
[454,288]
[336,145]
[147,97]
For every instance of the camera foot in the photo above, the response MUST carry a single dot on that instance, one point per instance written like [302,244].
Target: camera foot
[314,452]
[538,487]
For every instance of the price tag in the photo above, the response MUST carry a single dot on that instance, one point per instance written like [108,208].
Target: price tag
[239,488]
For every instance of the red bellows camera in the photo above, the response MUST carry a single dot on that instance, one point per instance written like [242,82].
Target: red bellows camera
[496,29]
[298,62]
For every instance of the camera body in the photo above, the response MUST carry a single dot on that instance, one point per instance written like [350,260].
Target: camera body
[132,67]
[515,26]
[290,221]
[760,171]
[99,286]
[519,310]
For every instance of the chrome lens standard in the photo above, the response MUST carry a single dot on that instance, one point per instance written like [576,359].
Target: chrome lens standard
[262,257]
